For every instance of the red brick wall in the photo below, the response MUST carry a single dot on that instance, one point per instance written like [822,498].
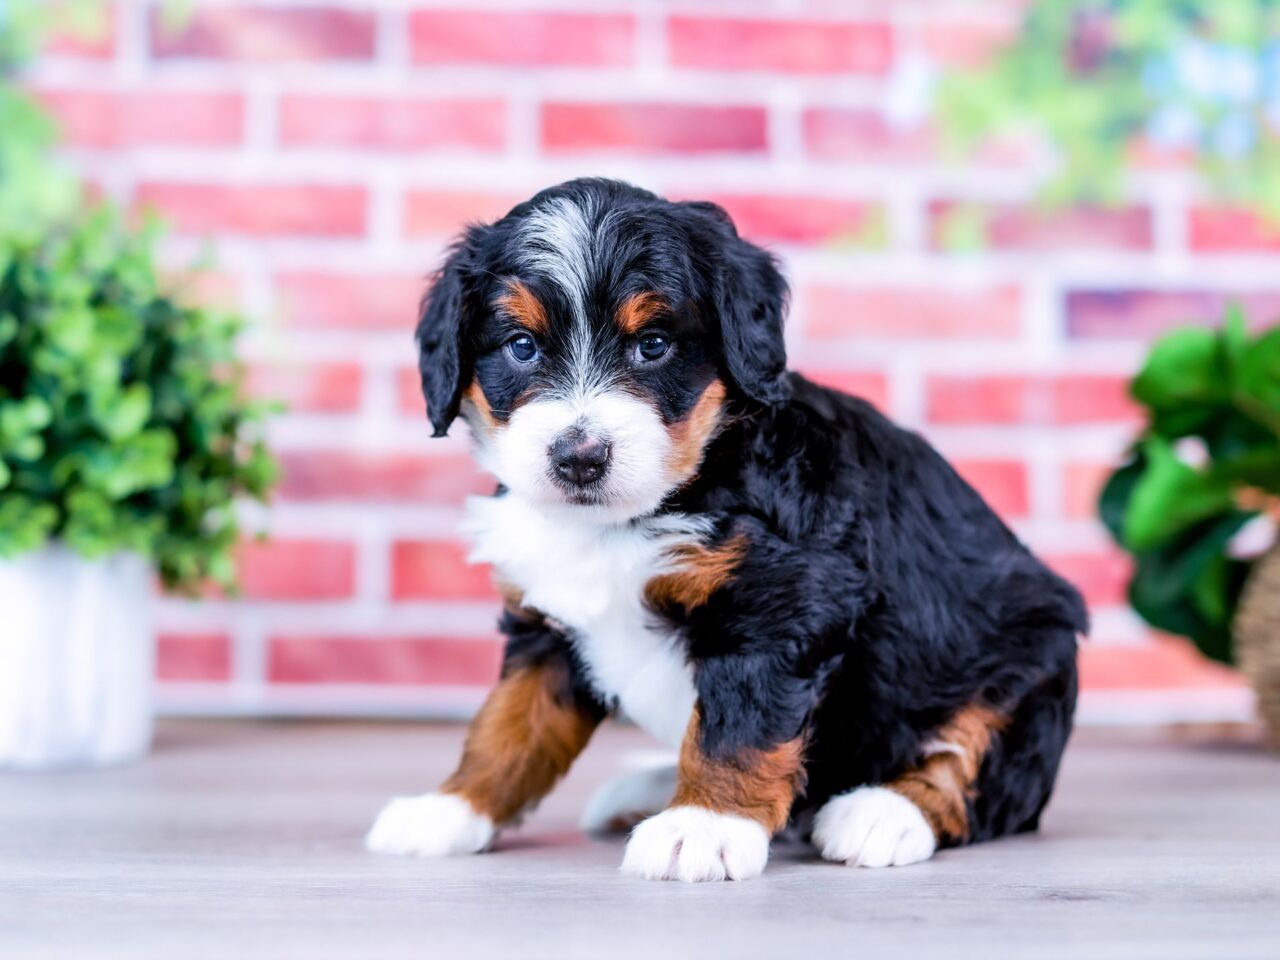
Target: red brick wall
[331,148]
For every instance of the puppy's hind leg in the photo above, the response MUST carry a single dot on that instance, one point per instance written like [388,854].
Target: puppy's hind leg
[905,820]
[624,801]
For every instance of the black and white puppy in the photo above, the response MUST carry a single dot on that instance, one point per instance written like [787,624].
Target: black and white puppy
[831,626]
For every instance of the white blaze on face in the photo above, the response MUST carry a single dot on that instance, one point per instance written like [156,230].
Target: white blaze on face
[639,474]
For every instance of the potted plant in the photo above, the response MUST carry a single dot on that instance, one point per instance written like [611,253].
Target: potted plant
[1197,501]
[125,441]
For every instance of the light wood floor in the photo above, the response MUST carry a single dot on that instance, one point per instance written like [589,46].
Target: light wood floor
[241,840]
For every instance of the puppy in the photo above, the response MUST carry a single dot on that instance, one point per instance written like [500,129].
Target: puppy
[831,626]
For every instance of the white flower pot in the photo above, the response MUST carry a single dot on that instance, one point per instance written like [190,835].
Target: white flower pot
[77,655]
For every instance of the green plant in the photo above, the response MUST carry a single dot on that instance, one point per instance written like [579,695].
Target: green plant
[1207,463]
[123,422]
[123,419]
[1099,78]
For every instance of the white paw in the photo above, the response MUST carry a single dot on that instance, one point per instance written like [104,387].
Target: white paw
[873,827]
[432,825]
[694,844]
[627,799]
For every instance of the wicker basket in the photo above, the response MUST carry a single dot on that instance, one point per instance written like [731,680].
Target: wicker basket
[1257,630]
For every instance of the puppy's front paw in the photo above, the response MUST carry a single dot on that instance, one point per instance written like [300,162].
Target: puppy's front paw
[873,827]
[694,844]
[432,825]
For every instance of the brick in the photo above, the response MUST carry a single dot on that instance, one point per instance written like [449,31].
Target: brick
[265,34]
[356,301]
[399,123]
[340,474]
[102,120]
[1055,399]
[968,43]
[1082,484]
[1164,664]
[410,399]
[1017,227]
[1101,575]
[193,658]
[863,135]
[296,569]
[426,661]
[790,46]
[519,38]
[799,219]
[262,210]
[437,570]
[871,385]
[839,312]
[1137,314]
[1225,230]
[652,128]
[1002,483]
[309,388]
[443,213]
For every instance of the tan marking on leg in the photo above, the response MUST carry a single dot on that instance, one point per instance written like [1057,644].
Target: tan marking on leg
[691,435]
[522,741]
[638,311]
[701,570]
[523,307]
[758,784]
[943,783]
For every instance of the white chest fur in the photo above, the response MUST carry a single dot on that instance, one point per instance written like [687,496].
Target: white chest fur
[592,578]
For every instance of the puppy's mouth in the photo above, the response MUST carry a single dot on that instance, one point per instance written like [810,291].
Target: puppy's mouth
[591,494]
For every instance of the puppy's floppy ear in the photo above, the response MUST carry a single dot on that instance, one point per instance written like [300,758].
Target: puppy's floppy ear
[443,358]
[751,298]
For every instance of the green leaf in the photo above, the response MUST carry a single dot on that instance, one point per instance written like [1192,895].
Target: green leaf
[8,325]
[25,524]
[1113,503]
[1170,496]
[122,415]
[1259,377]
[1183,368]
[1235,336]
[24,416]
[140,463]
[1173,584]
[5,475]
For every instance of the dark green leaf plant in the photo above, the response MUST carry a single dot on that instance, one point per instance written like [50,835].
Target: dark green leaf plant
[1207,463]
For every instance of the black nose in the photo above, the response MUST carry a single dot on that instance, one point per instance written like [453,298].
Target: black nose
[579,459]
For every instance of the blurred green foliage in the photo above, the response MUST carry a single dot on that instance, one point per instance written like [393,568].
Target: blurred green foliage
[1217,391]
[124,423]
[1098,78]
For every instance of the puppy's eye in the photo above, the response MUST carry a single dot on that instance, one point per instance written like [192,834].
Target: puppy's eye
[522,348]
[652,346]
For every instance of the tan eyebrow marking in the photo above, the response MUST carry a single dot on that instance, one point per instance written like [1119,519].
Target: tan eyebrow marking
[639,310]
[524,307]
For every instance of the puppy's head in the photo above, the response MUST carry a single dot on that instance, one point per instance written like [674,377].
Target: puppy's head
[592,339]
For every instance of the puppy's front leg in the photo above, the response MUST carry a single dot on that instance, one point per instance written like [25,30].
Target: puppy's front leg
[729,801]
[525,737]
